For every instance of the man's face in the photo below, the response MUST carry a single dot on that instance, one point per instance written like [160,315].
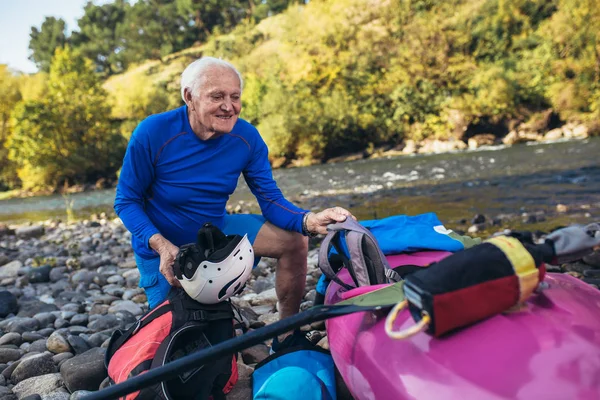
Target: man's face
[217,105]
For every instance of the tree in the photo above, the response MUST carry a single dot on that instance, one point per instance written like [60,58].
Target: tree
[97,37]
[45,41]
[10,95]
[66,136]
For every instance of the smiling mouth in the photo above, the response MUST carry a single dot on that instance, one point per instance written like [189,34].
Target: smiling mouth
[224,117]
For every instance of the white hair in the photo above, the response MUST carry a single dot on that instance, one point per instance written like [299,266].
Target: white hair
[192,75]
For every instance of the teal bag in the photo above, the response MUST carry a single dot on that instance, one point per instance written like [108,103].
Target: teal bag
[295,373]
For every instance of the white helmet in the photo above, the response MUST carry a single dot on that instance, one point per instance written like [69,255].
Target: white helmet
[215,268]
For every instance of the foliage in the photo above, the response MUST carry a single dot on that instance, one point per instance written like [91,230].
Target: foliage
[65,136]
[322,78]
[44,41]
[10,95]
[97,38]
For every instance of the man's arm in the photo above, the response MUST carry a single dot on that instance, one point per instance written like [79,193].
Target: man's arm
[136,177]
[274,206]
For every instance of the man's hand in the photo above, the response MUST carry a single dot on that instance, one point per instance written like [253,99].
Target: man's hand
[168,253]
[317,223]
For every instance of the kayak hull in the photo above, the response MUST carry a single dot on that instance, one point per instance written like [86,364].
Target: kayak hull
[550,349]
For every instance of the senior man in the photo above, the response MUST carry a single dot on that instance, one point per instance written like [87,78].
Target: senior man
[179,170]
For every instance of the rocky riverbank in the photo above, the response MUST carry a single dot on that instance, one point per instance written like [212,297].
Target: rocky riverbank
[64,288]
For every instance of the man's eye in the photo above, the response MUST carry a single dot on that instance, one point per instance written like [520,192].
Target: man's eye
[217,97]
[235,98]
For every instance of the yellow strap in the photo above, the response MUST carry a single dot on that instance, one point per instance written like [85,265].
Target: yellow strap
[522,263]
[408,332]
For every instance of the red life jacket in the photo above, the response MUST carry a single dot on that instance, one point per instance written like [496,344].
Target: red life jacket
[177,327]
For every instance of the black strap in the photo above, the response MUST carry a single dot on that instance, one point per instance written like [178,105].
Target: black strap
[208,316]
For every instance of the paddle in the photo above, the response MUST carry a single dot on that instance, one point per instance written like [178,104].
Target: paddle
[172,369]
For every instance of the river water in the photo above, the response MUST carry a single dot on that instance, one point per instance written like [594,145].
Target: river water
[494,180]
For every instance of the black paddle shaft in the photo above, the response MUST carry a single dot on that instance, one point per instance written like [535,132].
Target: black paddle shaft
[231,346]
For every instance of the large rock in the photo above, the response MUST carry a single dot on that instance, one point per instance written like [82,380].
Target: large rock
[57,343]
[39,364]
[85,371]
[8,303]
[7,355]
[11,338]
[25,232]
[10,270]
[41,385]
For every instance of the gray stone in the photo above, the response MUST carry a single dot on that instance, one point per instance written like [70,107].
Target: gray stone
[261,284]
[41,385]
[58,274]
[255,354]
[99,309]
[116,279]
[114,290]
[80,394]
[79,319]
[7,372]
[8,303]
[67,315]
[83,276]
[126,305]
[96,339]
[73,307]
[85,371]
[26,232]
[40,274]
[78,344]
[45,319]
[57,358]
[38,346]
[60,394]
[104,322]
[45,332]
[269,318]
[10,270]
[4,391]
[61,323]
[31,336]
[40,364]
[593,260]
[11,338]
[7,355]
[78,330]
[131,293]
[57,343]
[91,262]
[265,298]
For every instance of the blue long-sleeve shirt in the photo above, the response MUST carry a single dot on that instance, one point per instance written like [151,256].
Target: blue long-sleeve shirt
[172,182]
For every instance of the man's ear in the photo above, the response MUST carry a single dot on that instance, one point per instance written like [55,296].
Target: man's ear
[187,95]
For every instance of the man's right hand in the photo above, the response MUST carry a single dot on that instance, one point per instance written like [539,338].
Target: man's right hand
[168,253]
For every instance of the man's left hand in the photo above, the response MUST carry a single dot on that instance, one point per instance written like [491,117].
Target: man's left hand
[317,223]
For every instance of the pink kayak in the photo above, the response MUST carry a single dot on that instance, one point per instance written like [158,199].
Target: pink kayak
[548,350]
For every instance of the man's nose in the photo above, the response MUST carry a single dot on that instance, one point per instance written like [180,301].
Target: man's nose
[226,105]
